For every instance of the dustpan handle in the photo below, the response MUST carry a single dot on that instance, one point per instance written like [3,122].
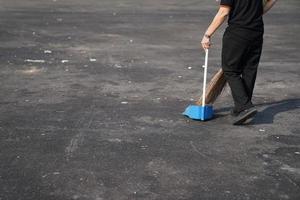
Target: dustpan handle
[205,77]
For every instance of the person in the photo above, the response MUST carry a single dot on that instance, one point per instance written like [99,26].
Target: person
[241,50]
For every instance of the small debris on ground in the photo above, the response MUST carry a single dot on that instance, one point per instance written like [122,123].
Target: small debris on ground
[35,61]
[117,66]
[47,51]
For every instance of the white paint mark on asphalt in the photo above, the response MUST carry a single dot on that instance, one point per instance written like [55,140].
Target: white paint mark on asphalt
[64,61]
[124,102]
[47,51]
[93,59]
[35,61]
[117,66]
[32,70]
[261,130]
[290,169]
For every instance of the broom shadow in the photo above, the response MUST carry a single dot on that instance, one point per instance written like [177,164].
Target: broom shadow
[266,116]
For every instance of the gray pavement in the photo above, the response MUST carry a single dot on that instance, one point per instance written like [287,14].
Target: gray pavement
[91,97]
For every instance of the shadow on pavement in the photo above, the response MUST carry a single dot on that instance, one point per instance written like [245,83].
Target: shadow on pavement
[267,115]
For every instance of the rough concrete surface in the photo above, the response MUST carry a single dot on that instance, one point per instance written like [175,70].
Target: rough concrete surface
[91,97]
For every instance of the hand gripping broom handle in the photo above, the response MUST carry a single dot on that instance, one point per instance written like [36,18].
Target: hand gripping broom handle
[205,77]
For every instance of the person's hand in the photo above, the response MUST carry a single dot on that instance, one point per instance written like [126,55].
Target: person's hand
[205,42]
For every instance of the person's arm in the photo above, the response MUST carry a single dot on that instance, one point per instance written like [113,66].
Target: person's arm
[219,19]
[269,4]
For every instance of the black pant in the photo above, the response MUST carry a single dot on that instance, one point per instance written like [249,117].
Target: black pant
[240,58]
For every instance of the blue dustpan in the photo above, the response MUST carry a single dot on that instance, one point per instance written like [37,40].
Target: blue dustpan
[201,112]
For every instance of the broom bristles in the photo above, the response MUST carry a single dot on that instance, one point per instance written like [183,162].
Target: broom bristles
[214,88]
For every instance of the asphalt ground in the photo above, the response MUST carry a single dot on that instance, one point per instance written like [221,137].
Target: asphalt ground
[91,97]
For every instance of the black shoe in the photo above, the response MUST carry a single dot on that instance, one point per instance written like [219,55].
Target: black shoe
[243,116]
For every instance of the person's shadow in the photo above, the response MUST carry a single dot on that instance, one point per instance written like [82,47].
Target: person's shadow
[266,116]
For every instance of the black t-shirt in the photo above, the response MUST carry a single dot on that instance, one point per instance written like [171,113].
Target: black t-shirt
[245,14]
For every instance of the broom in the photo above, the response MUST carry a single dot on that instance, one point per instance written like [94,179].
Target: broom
[214,88]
